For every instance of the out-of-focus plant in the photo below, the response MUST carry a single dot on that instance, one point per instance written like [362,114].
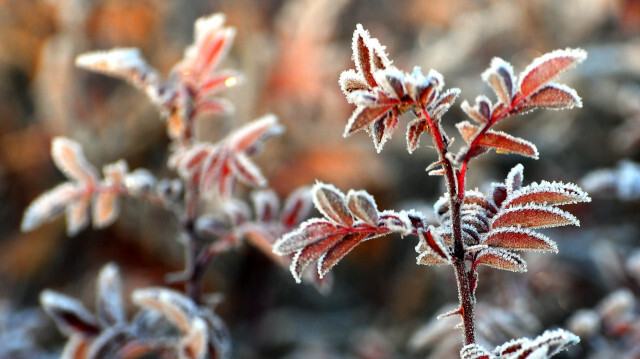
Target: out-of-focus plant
[207,175]
[473,228]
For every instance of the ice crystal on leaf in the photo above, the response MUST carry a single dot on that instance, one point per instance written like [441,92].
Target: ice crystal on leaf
[544,346]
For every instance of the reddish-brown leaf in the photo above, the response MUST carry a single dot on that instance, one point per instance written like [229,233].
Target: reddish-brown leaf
[363,117]
[501,259]
[338,251]
[309,232]
[362,55]
[331,203]
[500,77]
[350,81]
[443,103]
[553,96]
[312,253]
[434,242]
[533,216]
[363,206]
[500,141]
[547,67]
[414,130]
[296,207]
[547,193]
[514,178]
[383,129]
[251,137]
[246,171]
[519,239]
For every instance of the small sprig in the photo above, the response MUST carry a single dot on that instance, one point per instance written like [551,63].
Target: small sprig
[192,83]
[85,190]
[196,332]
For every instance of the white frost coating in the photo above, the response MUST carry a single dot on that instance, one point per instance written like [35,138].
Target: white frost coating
[570,193]
[331,202]
[139,181]
[69,158]
[266,203]
[77,214]
[404,227]
[578,55]
[562,218]
[246,171]
[351,81]
[617,304]
[174,306]
[547,244]
[363,206]
[576,100]
[196,339]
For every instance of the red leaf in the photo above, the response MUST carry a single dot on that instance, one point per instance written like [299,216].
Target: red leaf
[443,103]
[547,67]
[217,82]
[434,243]
[331,203]
[363,117]
[312,253]
[414,130]
[309,232]
[554,96]
[478,198]
[338,251]
[500,141]
[500,77]
[250,138]
[266,205]
[296,207]
[361,54]
[501,259]
[363,206]
[533,216]
[383,128]
[246,171]
[547,193]
[519,239]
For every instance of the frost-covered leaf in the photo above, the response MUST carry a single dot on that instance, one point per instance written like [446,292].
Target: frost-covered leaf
[309,232]
[548,344]
[501,79]
[174,306]
[69,314]
[481,111]
[547,193]
[296,207]
[139,181]
[311,253]
[362,54]
[552,96]
[382,129]
[351,81]
[266,204]
[364,116]
[500,141]
[547,67]
[194,344]
[519,239]
[77,347]
[251,137]
[123,63]
[339,250]
[109,342]
[246,171]
[50,205]
[105,209]
[478,198]
[514,178]
[501,259]
[444,103]
[414,130]
[77,213]
[391,80]
[533,216]
[331,203]
[433,243]
[110,307]
[363,206]
[475,351]
[69,158]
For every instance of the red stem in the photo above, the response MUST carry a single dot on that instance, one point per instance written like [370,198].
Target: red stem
[454,186]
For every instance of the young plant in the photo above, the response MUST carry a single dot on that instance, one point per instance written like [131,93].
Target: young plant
[473,228]
[207,174]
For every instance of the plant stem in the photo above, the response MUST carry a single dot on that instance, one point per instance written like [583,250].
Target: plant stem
[455,184]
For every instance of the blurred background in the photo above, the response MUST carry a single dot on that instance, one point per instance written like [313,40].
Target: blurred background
[382,305]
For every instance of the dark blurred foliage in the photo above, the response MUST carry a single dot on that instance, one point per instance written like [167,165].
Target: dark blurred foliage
[292,53]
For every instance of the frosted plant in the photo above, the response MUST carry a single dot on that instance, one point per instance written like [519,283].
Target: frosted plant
[207,174]
[473,228]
